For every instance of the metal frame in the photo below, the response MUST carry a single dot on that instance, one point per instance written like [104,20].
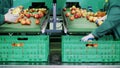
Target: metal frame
[60,66]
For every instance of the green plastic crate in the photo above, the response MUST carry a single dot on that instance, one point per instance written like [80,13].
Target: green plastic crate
[33,49]
[73,50]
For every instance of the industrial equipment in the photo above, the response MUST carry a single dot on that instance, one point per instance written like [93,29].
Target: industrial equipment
[48,32]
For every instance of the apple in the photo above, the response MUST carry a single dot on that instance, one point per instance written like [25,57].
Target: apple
[88,13]
[36,10]
[91,18]
[77,15]
[83,15]
[22,12]
[21,15]
[95,45]
[77,11]
[72,18]
[31,10]
[17,20]
[81,10]
[37,21]
[94,19]
[26,10]
[87,17]
[28,21]
[41,14]
[64,9]
[84,10]
[73,7]
[23,21]
[91,14]
[95,14]
[99,17]
[31,15]
[73,12]
[101,14]
[43,10]
[37,16]
[67,14]
[89,45]
[28,15]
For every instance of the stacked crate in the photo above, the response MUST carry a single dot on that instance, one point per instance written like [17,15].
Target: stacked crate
[24,48]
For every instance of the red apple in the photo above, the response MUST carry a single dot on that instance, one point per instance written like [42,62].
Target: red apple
[77,15]
[87,17]
[28,15]
[64,9]
[67,14]
[37,16]
[37,21]
[41,14]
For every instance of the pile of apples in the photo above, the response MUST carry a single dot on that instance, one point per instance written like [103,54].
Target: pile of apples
[92,17]
[25,15]
[76,13]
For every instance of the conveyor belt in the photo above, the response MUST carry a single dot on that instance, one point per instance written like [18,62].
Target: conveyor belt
[8,28]
[79,25]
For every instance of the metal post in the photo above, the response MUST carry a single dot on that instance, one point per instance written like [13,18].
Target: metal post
[54,14]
